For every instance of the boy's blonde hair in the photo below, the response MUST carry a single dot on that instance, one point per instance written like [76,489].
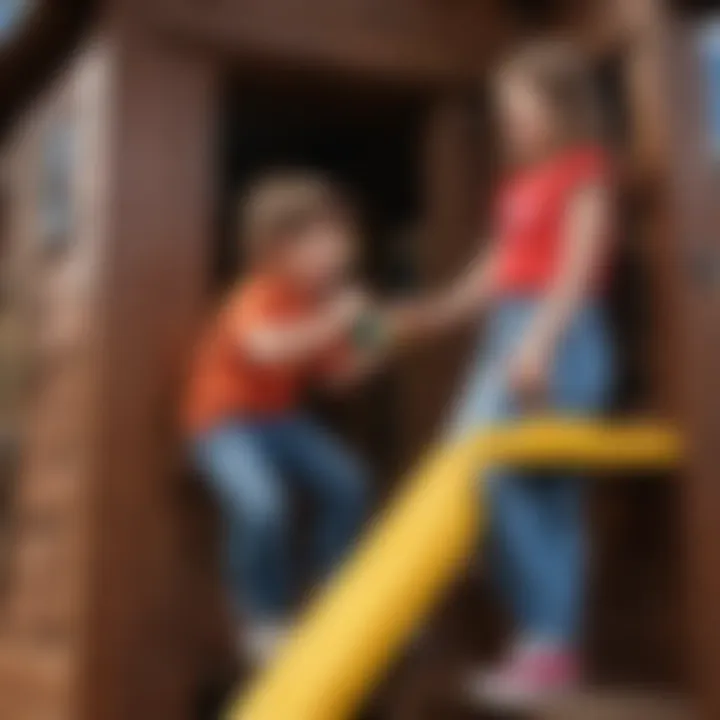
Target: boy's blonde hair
[283,204]
[563,77]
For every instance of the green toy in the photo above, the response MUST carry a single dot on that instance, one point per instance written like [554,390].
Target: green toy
[370,332]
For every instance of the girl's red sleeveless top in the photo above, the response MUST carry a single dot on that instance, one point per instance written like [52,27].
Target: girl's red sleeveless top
[530,214]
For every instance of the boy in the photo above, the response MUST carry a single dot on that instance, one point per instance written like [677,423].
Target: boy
[289,322]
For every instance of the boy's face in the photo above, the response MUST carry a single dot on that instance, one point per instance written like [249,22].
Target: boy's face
[322,255]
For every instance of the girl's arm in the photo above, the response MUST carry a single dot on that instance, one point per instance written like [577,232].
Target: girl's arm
[410,321]
[462,302]
[585,235]
[469,295]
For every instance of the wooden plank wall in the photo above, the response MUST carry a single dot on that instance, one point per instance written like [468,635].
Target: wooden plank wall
[42,615]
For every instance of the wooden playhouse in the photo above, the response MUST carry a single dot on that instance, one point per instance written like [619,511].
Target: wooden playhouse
[127,128]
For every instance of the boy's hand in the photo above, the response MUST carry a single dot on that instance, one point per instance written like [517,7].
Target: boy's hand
[359,369]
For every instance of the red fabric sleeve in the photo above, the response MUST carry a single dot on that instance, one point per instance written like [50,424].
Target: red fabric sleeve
[588,167]
[253,308]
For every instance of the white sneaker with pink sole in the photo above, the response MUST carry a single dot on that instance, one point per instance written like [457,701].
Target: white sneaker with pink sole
[534,674]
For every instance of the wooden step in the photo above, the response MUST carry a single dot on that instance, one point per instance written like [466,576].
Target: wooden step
[589,706]
[435,692]
[593,706]
[619,706]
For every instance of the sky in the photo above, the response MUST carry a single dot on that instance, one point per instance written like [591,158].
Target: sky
[10,12]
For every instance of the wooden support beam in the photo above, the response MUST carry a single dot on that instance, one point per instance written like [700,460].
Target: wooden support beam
[619,706]
[405,41]
[153,268]
[695,188]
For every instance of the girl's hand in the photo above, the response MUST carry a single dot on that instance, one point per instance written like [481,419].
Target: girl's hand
[410,321]
[529,373]
[461,302]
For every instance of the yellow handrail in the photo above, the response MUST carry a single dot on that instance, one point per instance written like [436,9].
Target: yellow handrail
[356,626]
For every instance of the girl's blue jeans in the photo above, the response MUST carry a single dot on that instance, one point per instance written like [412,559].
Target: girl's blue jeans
[251,466]
[538,541]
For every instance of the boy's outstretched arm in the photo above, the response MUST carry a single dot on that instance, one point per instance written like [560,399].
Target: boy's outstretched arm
[300,341]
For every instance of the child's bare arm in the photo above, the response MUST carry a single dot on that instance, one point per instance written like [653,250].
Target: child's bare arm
[461,302]
[469,295]
[297,342]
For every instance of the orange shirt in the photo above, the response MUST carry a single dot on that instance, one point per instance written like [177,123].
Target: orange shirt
[225,382]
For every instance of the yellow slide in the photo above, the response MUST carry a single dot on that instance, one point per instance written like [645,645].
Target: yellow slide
[356,627]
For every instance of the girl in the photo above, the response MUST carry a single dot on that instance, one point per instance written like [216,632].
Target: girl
[546,347]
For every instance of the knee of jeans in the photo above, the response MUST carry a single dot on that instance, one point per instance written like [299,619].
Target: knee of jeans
[352,492]
[487,485]
[267,515]
[498,488]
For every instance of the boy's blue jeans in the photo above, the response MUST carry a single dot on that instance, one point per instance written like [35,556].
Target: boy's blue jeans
[250,466]
[538,527]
